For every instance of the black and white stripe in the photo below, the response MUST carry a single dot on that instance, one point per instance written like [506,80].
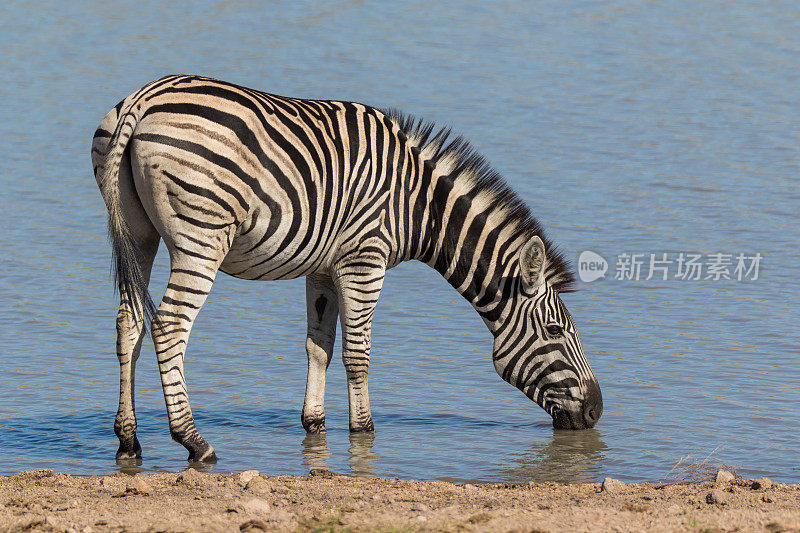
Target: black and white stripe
[266,187]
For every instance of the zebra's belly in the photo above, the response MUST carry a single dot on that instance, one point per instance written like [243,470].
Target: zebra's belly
[272,259]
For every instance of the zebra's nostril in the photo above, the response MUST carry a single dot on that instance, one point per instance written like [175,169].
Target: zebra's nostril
[593,405]
[590,415]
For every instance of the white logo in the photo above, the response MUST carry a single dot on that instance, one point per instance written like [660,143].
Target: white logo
[591,266]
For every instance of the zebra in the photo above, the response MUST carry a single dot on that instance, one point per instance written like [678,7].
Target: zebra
[262,186]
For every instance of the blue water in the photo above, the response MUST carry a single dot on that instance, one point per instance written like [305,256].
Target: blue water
[644,128]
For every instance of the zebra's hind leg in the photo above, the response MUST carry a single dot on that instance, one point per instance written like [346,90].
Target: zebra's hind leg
[358,286]
[130,332]
[189,284]
[323,309]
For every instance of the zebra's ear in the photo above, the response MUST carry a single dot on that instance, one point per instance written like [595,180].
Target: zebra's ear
[531,262]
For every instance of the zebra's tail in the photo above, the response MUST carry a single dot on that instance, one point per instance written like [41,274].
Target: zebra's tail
[127,257]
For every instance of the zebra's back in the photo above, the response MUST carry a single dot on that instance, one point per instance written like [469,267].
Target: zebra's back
[279,185]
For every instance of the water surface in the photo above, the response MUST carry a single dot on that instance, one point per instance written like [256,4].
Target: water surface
[627,127]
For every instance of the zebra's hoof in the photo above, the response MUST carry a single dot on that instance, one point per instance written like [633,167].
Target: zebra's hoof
[208,459]
[314,425]
[202,454]
[129,449]
[366,427]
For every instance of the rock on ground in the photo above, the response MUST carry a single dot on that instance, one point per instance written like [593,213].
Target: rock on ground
[189,477]
[246,476]
[724,477]
[612,485]
[137,485]
[763,483]
[717,496]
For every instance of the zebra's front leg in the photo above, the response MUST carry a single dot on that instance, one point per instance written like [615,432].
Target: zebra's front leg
[322,308]
[358,287]
[186,293]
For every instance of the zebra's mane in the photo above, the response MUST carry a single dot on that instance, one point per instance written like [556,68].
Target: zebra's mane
[441,147]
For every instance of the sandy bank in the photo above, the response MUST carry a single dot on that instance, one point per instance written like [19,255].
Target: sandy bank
[194,501]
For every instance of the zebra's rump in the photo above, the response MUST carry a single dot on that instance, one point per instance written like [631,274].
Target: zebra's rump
[264,185]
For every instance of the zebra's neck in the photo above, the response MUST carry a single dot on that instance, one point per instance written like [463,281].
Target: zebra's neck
[467,236]
[464,221]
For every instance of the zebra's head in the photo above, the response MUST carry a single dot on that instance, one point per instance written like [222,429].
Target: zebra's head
[537,348]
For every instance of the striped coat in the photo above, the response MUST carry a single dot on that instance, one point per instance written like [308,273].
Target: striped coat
[266,187]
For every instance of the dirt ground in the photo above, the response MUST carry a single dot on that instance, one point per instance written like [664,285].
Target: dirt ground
[192,501]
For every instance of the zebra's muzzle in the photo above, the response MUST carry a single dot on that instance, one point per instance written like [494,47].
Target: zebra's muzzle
[586,416]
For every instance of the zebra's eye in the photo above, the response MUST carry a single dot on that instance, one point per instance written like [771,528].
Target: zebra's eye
[554,330]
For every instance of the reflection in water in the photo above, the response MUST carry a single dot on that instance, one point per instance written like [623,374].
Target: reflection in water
[201,466]
[361,457]
[134,466]
[130,466]
[315,451]
[570,456]
[361,461]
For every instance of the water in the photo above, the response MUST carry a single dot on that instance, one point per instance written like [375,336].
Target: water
[628,128]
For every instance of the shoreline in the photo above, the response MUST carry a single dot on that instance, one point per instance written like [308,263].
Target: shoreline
[42,500]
